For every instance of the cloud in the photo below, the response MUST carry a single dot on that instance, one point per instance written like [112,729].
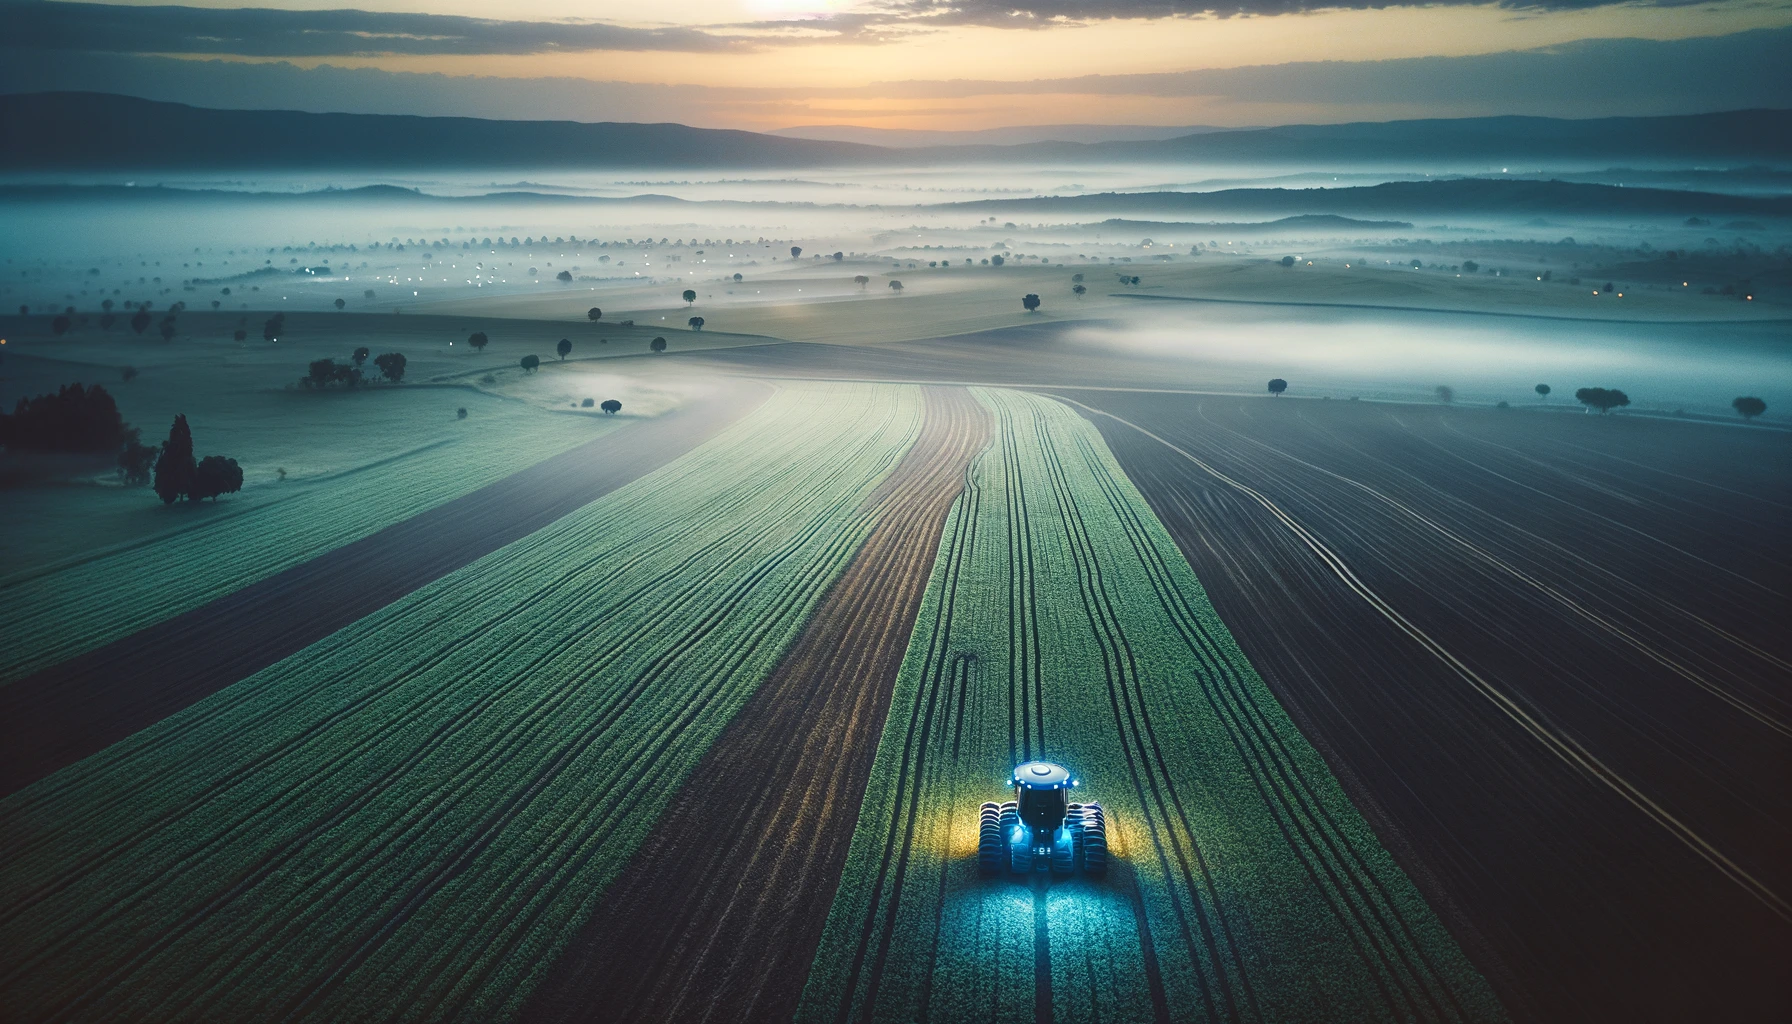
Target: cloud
[262,32]
[1584,79]
[1046,13]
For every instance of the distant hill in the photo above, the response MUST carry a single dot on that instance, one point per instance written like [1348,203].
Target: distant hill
[91,131]
[66,131]
[1300,222]
[1502,197]
[909,138]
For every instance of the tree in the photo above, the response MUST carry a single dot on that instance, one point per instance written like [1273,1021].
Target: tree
[167,328]
[1445,393]
[61,325]
[564,348]
[611,407]
[696,323]
[736,278]
[839,256]
[795,251]
[175,466]
[564,277]
[391,365]
[1078,290]
[1749,407]
[594,314]
[1287,261]
[129,374]
[270,331]
[657,344]
[215,475]
[896,286]
[1542,392]
[1603,399]
[530,363]
[587,403]
[106,305]
[1277,386]
[140,321]
[360,356]
[340,303]
[239,334]
[689,296]
[1076,279]
[861,281]
[478,340]
[1470,266]
[135,463]
[74,419]
[997,260]
[1029,302]
[322,373]
[368,294]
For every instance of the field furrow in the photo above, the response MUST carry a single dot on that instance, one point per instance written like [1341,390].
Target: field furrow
[409,818]
[1063,623]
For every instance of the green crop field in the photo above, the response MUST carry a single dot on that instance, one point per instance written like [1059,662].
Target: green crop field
[356,463]
[1061,622]
[408,819]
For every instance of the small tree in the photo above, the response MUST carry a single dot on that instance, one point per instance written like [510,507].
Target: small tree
[167,328]
[1277,386]
[175,466]
[1078,290]
[368,294]
[129,374]
[270,330]
[1470,266]
[1445,393]
[135,463]
[839,256]
[140,321]
[215,475]
[1749,407]
[696,323]
[530,363]
[861,281]
[391,365]
[690,296]
[657,345]
[478,340]
[587,403]
[594,314]
[360,356]
[61,325]
[896,286]
[795,251]
[460,413]
[340,303]
[1542,392]
[1029,302]
[1076,279]
[240,334]
[611,407]
[564,277]
[1603,399]
[322,373]
[1287,261]
[736,278]
[564,348]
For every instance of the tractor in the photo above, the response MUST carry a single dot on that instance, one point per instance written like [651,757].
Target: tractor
[1041,828]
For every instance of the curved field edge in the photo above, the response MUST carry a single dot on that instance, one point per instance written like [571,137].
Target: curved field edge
[409,819]
[1062,622]
[53,613]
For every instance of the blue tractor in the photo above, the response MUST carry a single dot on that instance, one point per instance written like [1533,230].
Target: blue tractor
[1041,828]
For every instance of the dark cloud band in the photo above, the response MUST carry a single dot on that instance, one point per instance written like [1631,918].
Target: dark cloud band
[262,32]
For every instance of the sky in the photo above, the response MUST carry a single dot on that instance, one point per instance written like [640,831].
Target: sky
[917,64]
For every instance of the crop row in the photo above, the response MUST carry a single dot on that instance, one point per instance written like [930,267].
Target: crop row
[52,613]
[1061,622]
[409,819]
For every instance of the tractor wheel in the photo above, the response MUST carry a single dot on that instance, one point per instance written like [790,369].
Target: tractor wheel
[1095,840]
[1020,858]
[989,839]
[1064,855]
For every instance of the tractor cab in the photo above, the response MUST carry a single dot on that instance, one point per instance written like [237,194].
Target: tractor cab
[1042,793]
[1041,828]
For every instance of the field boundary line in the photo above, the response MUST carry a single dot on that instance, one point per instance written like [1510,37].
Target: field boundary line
[1563,746]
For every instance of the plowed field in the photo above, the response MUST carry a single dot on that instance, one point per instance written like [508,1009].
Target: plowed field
[718,915]
[1547,656]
